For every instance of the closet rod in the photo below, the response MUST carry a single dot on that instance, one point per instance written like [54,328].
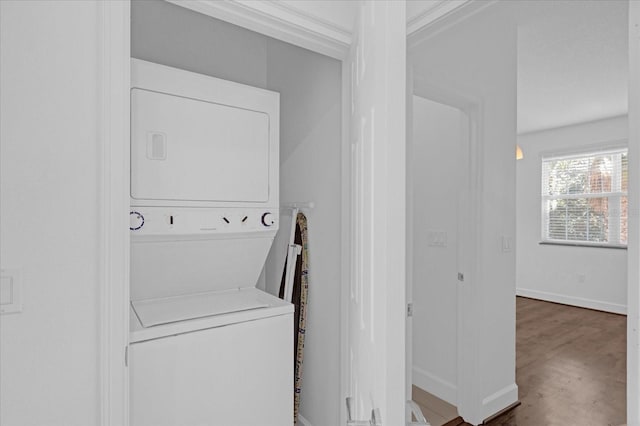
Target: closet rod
[299,205]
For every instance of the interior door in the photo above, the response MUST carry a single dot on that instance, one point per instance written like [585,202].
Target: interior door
[438,172]
[376,309]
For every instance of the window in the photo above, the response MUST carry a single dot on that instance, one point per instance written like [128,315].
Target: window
[584,198]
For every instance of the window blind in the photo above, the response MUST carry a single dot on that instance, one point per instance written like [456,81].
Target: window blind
[584,198]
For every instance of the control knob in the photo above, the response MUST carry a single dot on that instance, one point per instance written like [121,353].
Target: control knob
[267,219]
[136,220]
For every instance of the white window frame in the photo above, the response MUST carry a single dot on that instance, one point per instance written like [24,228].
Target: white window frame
[614,196]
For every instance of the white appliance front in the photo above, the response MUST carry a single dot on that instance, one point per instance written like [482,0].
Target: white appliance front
[199,141]
[204,181]
[235,375]
[178,267]
[206,346]
[180,143]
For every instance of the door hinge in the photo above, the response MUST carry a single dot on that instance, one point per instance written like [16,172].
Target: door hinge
[409,309]
[460,277]
[126,356]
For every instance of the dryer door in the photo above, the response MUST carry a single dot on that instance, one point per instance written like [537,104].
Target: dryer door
[186,149]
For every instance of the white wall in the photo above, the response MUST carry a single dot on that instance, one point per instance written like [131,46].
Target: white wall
[476,61]
[171,35]
[49,211]
[437,135]
[310,158]
[310,167]
[583,276]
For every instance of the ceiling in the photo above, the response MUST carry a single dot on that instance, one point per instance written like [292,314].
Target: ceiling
[572,62]
[572,54]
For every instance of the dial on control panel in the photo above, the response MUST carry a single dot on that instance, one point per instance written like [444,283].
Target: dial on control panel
[267,219]
[136,220]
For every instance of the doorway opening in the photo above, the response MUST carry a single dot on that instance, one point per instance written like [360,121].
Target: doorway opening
[571,232]
[437,188]
[481,55]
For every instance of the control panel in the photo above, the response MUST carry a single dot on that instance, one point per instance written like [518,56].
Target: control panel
[200,221]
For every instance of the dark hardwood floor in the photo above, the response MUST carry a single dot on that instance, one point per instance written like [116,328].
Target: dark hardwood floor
[570,367]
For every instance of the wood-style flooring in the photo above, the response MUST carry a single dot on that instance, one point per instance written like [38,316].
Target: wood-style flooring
[436,411]
[570,367]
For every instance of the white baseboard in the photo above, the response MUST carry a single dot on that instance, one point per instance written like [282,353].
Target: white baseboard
[574,301]
[303,422]
[435,385]
[499,400]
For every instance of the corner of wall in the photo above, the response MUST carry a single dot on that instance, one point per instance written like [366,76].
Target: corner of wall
[435,385]
[497,401]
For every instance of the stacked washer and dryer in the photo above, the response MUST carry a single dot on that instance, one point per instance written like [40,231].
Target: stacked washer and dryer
[206,346]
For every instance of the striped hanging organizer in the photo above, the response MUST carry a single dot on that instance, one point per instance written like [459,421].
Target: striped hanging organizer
[295,288]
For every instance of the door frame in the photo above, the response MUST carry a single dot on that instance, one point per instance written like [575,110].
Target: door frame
[421,33]
[633,240]
[113,24]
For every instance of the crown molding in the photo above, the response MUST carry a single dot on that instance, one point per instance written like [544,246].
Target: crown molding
[296,26]
[289,8]
[433,20]
[432,13]
[280,21]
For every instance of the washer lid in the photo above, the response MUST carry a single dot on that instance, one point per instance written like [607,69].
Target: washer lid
[152,312]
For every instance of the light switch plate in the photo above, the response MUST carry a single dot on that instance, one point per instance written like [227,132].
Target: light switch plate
[507,244]
[10,291]
[437,238]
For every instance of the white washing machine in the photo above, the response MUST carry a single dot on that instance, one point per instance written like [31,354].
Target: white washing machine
[227,369]
[206,346]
